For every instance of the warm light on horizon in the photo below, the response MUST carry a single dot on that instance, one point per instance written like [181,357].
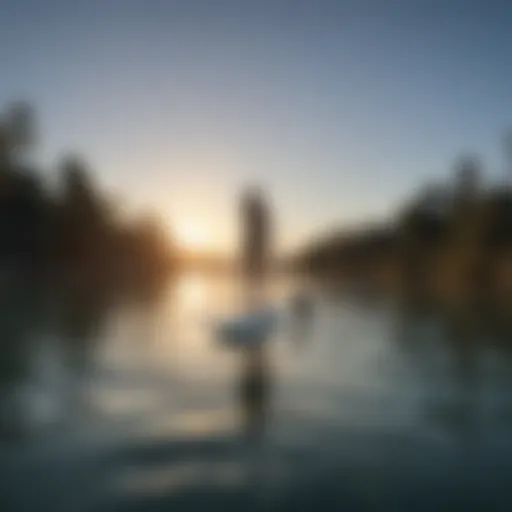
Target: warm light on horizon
[193,236]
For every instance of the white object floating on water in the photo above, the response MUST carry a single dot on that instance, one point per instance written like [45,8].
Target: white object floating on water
[248,330]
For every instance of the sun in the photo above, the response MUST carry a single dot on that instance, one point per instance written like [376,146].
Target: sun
[193,236]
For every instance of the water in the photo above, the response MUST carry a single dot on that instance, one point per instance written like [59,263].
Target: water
[136,408]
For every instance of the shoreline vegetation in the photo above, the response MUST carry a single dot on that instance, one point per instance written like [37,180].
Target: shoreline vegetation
[70,235]
[450,244]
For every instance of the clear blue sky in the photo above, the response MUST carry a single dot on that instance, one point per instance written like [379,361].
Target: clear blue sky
[339,108]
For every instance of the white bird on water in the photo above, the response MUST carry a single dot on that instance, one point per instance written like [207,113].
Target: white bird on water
[256,327]
[249,329]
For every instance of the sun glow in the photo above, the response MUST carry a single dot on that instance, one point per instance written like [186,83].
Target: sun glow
[193,236]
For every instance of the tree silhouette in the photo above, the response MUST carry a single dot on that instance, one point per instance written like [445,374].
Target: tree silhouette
[70,233]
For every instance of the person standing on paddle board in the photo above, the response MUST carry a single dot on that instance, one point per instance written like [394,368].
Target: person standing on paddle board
[255,237]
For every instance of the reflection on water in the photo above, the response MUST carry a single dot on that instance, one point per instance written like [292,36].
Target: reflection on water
[255,389]
[141,408]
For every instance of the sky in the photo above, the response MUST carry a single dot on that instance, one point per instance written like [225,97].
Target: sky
[339,109]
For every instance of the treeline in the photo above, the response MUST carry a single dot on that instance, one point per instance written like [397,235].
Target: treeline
[451,240]
[68,233]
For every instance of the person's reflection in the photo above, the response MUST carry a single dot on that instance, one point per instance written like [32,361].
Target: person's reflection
[254,391]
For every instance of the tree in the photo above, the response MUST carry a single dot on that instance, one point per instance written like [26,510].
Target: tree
[468,175]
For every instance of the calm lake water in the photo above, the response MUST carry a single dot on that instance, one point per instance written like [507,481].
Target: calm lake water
[367,412]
